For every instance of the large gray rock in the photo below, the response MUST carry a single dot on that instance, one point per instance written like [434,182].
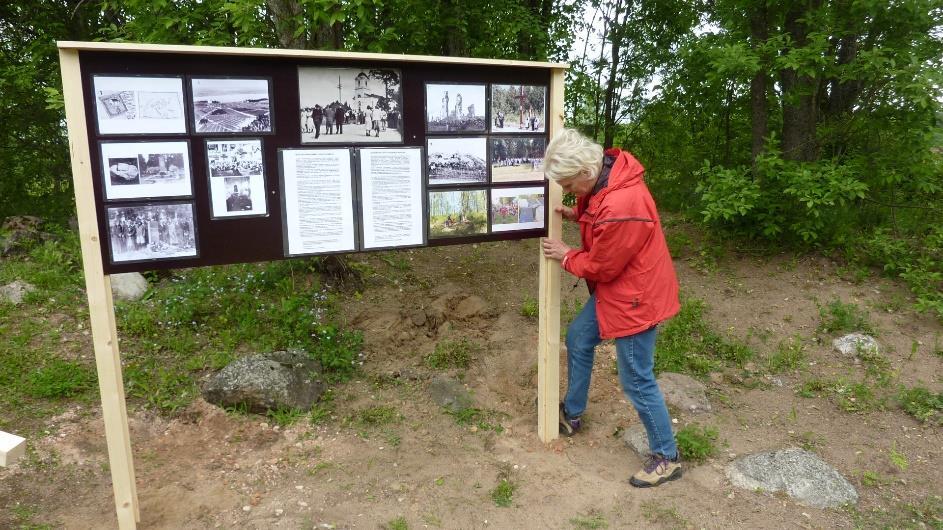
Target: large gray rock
[21,232]
[449,393]
[637,439]
[128,286]
[800,474]
[14,292]
[683,392]
[853,343]
[270,381]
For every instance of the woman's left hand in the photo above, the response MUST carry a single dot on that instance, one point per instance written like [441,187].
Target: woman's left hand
[554,248]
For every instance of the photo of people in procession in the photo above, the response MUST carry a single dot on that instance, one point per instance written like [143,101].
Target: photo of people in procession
[518,108]
[137,170]
[458,213]
[229,158]
[151,232]
[350,105]
[457,160]
[517,208]
[517,158]
[231,106]
[455,108]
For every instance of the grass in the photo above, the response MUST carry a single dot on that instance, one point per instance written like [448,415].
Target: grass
[502,495]
[654,512]
[922,404]
[839,317]
[898,459]
[485,420]
[397,524]
[283,417]
[529,308]
[789,355]
[60,379]
[920,513]
[697,443]
[687,344]
[376,416]
[591,521]
[453,354]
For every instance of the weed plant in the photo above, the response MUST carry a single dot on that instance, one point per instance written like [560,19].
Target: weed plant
[590,521]
[453,354]
[922,404]
[789,355]
[529,308]
[839,317]
[696,443]
[687,344]
[503,493]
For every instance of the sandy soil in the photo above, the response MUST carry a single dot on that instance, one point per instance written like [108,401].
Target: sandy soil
[208,469]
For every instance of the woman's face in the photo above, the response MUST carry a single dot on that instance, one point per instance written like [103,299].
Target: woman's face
[578,184]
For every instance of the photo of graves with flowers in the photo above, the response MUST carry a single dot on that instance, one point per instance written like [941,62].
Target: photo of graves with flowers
[518,108]
[149,232]
[458,213]
[231,105]
[455,108]
[517,209]
[350,105]
[517,158]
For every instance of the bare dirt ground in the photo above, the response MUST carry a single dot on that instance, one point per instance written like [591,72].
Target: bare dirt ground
[209,469]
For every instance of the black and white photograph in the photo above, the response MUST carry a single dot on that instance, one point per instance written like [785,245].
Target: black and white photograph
[231,105]
[146,170]
[518,108]
[517,158]
[237,178]
[350,105]
[517,208]
[455,108]
[139,105]
[151,232]
[231,158]
[457,160]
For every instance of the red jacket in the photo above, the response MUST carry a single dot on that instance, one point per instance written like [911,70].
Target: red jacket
[624,258]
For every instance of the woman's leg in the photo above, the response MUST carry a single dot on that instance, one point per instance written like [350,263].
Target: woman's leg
[582,337]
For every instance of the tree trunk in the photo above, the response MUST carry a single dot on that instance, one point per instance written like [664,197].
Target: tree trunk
[759,85]
[615,50]
[799,96]
[285,14]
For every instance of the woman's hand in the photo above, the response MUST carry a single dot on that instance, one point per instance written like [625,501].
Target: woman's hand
[568,213]
[554,248]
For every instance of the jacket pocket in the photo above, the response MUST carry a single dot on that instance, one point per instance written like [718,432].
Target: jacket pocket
[619,310]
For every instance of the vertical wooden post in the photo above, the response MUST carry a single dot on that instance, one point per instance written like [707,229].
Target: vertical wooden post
[100,303]
[548,351]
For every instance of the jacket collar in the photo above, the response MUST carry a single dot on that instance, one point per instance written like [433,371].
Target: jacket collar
[626,171]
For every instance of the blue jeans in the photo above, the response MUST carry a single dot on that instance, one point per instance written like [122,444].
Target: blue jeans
[636,359]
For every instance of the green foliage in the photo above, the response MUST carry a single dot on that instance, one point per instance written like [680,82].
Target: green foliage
[687,344]
[397,524]
[789,355]
[898,459]
[529,308]
[60,379]
[839,317]
[503,493]
[283,417]
[483,420]
[922,404]
[376,416]
[590,521]
[453,354]
[697,443]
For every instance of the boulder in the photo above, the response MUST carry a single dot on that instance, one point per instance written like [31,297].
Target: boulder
[853,343]
[637,439]
[270,381]
[128,286]
[799,473]
[14,292]
[20,231]
[684,392]
[450,393]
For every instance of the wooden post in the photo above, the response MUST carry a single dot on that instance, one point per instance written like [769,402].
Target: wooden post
[100,303]
[548,350]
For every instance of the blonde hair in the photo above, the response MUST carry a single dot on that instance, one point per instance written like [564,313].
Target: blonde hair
[569,154]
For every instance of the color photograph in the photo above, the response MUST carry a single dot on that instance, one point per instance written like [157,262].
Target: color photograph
[458,213]
[518,108]
[231,105]
[517,209]
[457,160]
[146,170]
[350,105]
[455,108]
[151,232]
[516,159]
[139,105]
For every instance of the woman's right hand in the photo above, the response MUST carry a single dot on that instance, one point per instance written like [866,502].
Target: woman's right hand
[568,213]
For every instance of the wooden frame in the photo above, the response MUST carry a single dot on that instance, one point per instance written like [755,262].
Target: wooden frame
[98,284]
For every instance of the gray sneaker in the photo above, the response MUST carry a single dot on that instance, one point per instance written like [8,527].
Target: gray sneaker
[568,424]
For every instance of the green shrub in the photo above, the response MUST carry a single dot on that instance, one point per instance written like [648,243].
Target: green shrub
[696,443]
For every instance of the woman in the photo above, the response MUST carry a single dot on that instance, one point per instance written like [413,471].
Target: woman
[631,278]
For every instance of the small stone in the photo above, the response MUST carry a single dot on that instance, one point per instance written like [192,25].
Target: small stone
[247,508]
[853,343]
[15,291]
[279,512]
[303,504]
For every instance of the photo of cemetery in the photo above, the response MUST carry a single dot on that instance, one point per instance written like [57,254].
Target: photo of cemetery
[518,108]
[517,158]
[457,160]
[517,209]
[458,213]
[151,232]
[231,105]
[350,105]
[455,108]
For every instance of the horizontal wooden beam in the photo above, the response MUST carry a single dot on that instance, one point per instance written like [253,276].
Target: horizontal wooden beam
[12,448]
[298,54]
